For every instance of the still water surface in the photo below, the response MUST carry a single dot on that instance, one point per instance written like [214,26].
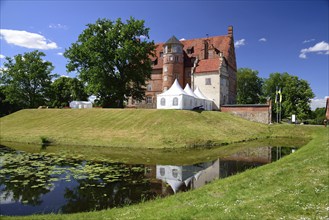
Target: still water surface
[32,183]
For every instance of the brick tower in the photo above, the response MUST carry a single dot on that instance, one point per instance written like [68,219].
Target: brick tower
[173,63]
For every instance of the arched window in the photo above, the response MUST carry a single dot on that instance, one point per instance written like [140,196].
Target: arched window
[175,101]
[162,171]
[175,173]
[163,102]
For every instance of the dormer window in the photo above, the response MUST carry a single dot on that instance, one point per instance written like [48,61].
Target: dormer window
[161,54]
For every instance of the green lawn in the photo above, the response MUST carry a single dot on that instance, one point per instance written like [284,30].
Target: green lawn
[136,128]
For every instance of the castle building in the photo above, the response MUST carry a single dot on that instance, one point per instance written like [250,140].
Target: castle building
[207,63]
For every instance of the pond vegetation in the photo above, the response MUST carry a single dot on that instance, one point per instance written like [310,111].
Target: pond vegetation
[33,181]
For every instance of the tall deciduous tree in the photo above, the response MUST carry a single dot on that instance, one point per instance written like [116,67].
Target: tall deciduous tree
[296,94]
[65,90]
[26,79]
[249,86]
[112,58]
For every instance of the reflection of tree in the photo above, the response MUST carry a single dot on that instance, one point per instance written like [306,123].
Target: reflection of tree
[128,187]
[22,179]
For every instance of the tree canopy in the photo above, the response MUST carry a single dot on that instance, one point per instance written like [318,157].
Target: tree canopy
[113,59]
[249,86]
[296,94]
[26,79]
[65,90]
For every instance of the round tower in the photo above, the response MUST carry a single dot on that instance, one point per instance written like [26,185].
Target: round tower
[173,63]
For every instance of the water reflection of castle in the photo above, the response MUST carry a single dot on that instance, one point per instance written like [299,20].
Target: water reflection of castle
[182,178]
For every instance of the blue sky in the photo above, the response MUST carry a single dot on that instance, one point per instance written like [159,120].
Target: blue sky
[270,36]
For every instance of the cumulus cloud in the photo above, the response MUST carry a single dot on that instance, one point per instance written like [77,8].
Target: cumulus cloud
[60,54]
[2,56]
[182,39]
[318,103]
[27,39]
[240,43]
[58,26]
[262,39]
[319,48]
[308,41]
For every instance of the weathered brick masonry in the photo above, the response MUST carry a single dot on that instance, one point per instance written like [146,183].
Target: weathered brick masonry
[259,113]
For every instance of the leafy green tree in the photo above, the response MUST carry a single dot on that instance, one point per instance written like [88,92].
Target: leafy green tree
[296,94]
[249,86]
[112,58]
[26,79]
[65,90]
[6,107]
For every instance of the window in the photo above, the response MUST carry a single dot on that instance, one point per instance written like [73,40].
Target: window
[176,58]
[168,49]
[171,58]
[208,81]
[161,54]
[149,100]
[163,102]
[149,87]
[175,173]
[162,171]
[165,78]
[175,101]
[165,69]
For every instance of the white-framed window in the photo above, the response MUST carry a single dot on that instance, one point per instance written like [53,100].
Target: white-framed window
[171,58]
[165,78]
[165,69]
[208,81]
[175,101]
[162,101]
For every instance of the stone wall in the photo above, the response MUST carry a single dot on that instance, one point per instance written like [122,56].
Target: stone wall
[258,112]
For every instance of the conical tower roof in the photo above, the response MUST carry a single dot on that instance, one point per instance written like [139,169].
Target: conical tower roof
[173,40]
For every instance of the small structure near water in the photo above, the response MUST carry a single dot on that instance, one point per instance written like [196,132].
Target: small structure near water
[81,104]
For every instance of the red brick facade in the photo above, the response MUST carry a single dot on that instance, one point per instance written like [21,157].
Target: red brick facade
[183,60]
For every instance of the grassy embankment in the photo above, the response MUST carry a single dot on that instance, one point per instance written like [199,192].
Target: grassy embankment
[296,187]
[133,128]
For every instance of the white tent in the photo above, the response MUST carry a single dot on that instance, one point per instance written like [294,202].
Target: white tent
[203,100]
[175,98]
[81,104]
[189,91]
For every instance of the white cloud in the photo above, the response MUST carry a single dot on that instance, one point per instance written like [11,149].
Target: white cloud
[2,56]
[308,41]
[318,103]
[58,26]
[60,54]
[27,39]
[321,47]
[239,43]
[262,39]
[182,39]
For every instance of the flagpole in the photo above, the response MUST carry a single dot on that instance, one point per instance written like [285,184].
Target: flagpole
[276,101]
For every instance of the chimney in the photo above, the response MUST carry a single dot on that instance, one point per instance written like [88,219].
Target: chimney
[230,31]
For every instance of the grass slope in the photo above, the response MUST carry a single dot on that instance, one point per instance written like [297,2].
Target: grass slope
[127,127]
[295,187]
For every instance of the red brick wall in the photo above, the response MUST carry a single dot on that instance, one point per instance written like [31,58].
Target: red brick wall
[257,113]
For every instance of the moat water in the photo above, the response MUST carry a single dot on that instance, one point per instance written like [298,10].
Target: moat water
[35,183]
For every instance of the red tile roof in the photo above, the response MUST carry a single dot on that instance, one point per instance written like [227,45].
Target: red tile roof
[222,44]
